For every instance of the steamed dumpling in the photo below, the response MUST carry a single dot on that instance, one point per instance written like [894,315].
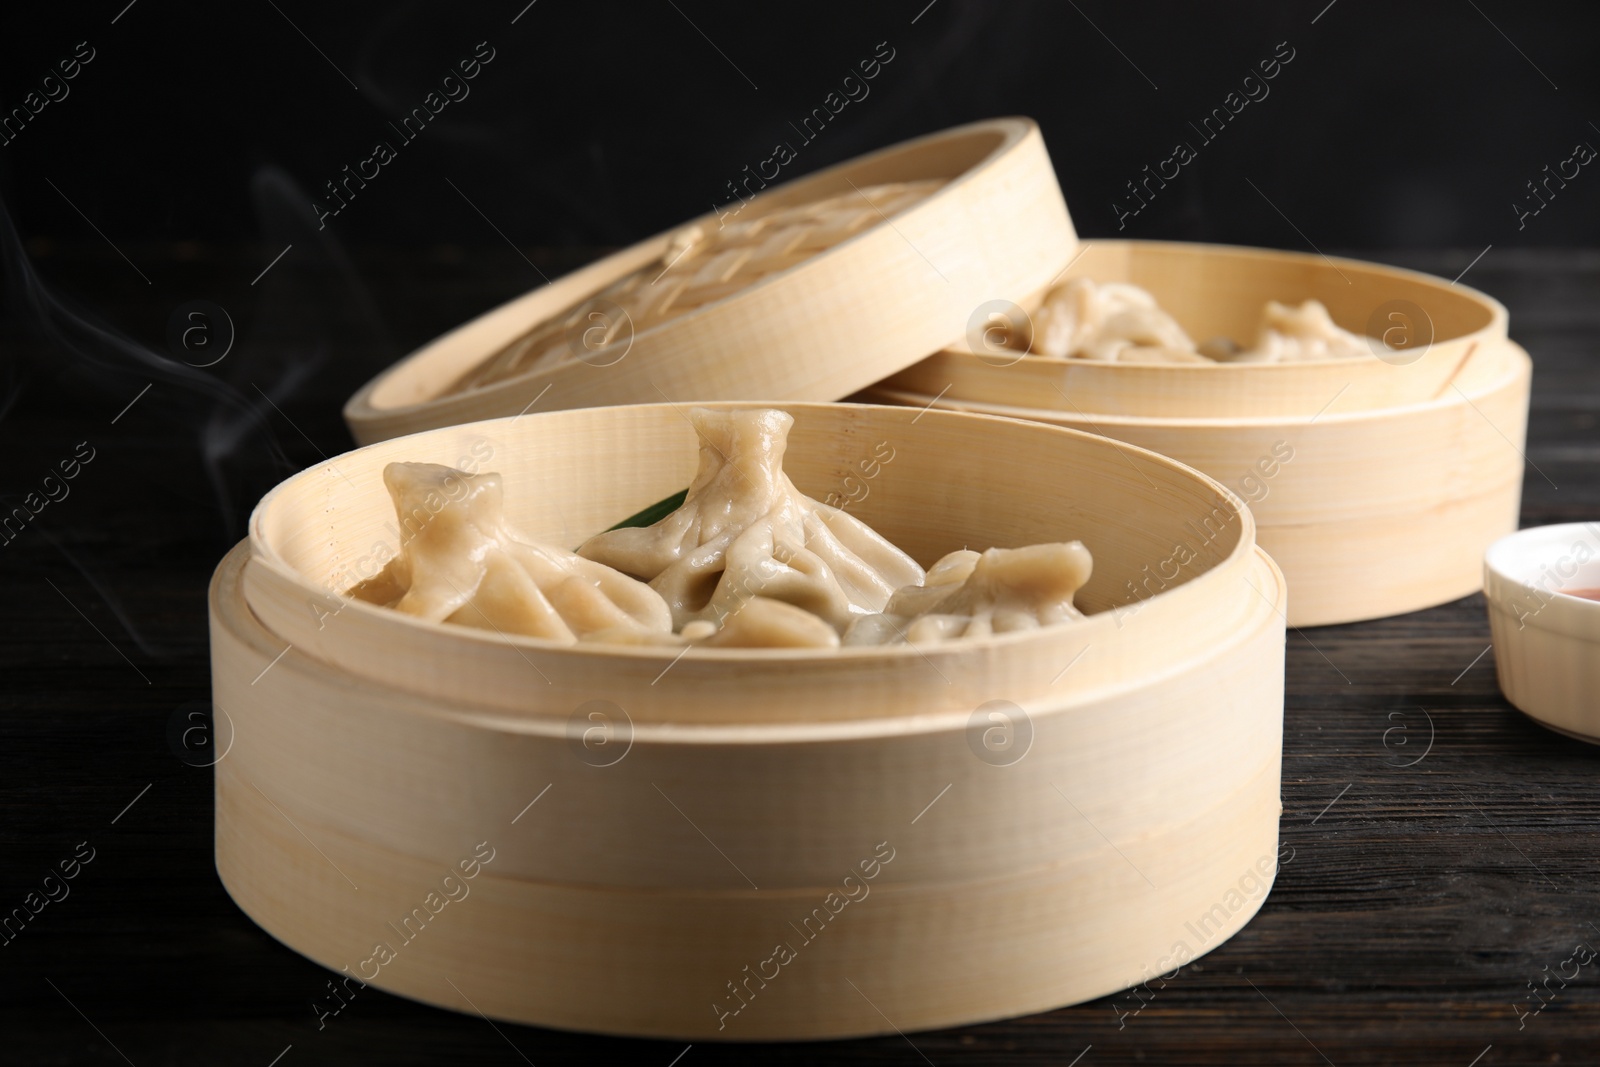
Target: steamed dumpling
[745,531]
[1114,322]
[972,594]
[1121,323]
[1292,334]
[761,622]
[460,562]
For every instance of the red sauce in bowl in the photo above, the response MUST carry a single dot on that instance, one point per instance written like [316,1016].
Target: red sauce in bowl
[1587,594]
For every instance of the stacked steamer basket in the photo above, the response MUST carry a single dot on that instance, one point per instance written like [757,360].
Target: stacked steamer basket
[749,844]
[756,844]
[1377,482]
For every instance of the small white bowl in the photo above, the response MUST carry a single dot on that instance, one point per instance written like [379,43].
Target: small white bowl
[1546,641]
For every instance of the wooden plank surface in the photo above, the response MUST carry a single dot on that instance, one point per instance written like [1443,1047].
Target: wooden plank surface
[1428,885]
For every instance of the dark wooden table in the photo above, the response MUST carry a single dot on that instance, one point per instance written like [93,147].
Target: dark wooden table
[1419,904]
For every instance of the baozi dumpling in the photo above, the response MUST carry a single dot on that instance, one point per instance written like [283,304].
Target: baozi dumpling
[1114,322]
[461,563]
[972,594]
[745,531]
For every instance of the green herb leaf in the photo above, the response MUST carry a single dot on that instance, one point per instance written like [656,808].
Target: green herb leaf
[655,512]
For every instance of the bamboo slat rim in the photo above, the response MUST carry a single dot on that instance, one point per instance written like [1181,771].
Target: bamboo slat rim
[908,398]
[1259,780]
[265,553]
[253,853]
[1191,389]
[230,608]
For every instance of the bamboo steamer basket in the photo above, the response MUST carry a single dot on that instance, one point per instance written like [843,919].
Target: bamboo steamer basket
[1218,290]
[836,279]
[1400,476]
[1047,816]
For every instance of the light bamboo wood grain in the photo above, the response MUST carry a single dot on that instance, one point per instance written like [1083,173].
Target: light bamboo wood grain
[1218,290]
[1380,511]
[653,964]
[824,324]
[628,895]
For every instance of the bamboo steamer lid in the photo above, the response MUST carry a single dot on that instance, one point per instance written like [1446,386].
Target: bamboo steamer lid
[811,290]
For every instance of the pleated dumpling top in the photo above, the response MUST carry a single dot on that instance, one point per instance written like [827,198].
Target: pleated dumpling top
[745,531]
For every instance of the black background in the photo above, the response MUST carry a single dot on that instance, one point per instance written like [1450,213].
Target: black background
[202,128]
[598,123]
[187,157]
